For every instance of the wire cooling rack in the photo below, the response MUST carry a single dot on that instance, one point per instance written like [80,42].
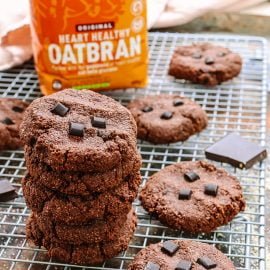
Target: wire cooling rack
[238,105]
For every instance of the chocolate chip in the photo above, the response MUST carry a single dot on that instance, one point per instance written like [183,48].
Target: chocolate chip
[183,265]
[7,121]
[60,109]
[209,61]
[7,191]
[221,54]
[185,194]
[211,189]
[151,266]
[166,115]
[196,55]
[206,262]
[76,129]
[17,109]
[147,109]
[169,247]
[178,102]
[191,176]
[98,122]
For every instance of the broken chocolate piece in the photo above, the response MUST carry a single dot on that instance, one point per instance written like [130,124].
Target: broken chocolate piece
[7,191]
[235,150]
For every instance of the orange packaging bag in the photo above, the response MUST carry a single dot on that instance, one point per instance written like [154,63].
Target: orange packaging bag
[92,44]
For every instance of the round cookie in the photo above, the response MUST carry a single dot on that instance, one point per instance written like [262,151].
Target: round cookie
[167,118]
[73,210]
[97,231]
[205,64]
[79,131]
[11,115]
[80,184]
[82,254]
[193,196]
[180,254]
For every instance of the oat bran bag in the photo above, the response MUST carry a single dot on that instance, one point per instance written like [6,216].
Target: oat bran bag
[93,44]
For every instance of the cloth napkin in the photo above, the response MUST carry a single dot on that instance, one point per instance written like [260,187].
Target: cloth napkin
[15,39]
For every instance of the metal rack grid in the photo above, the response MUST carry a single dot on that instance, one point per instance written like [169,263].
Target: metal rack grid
[238,105]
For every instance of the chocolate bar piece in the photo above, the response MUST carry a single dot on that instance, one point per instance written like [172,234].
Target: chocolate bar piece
[7,191]
[235,150]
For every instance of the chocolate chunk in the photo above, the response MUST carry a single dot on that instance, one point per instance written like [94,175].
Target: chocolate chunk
[211,189]
[7,191]
[209,61]
[98,122]
[221,54]
[196,55]
[206,262]
[191,176]
[166,115]
[185,194]
[178,102]
[76,129]
[60,109]
[184,265]
[235,150]
[17,109]
[169,247]
[151,266]
[147,109]
[7,121]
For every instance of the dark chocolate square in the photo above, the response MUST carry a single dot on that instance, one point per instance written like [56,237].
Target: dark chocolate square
[60,109]
[7,191]
[185,194]
[235,150]
[76,129]
[184,265]
[98,122]
[17,109]
[191,176]
[151,266]
[169,247]
[166,115]
[147,109]
[211,189]
[7,121]
[206,262]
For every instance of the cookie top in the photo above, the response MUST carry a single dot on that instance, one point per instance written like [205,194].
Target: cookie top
[193,196]
[79,131]
[11,115]
[167,118]
[182,255]
[205,64]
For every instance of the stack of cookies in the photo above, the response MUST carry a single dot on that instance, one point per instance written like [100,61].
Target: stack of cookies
[83,174]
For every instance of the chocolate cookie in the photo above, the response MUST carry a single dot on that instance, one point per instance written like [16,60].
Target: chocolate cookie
[79,131]
[205,64]
[82,254]
[76,183]
[72,210]
[193,196]
[11,115]
[98,230]
[180,255]
[167,118]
